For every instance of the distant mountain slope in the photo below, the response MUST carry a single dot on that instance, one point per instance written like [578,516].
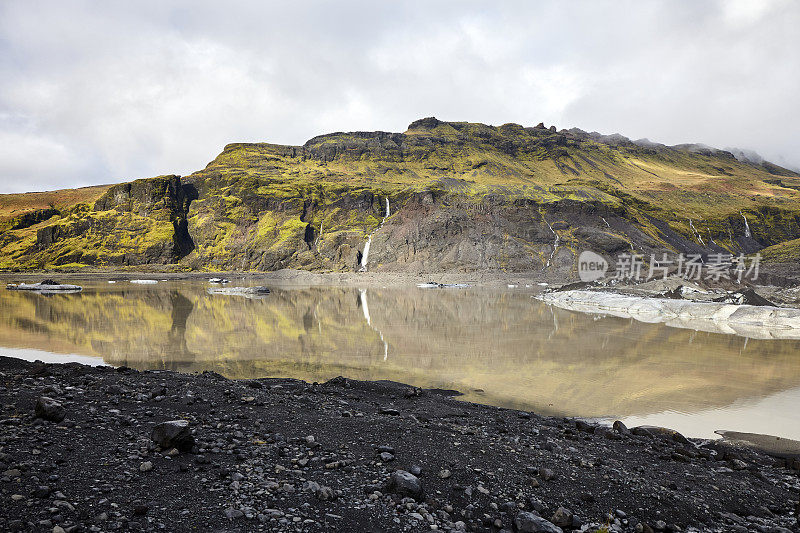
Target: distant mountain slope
[461,196]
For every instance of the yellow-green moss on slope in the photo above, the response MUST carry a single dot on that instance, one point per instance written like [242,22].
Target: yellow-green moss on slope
[456,189]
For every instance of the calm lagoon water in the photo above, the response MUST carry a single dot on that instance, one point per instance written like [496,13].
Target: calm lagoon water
[500,347]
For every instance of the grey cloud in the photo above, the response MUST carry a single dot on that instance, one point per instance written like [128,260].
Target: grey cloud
[97,92]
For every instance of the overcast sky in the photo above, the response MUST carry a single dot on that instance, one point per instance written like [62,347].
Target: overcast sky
[107,91]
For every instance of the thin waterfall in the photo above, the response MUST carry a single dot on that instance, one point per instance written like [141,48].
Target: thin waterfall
[746,226]
[365,253]
[555,243]
[696,233]
[711,237]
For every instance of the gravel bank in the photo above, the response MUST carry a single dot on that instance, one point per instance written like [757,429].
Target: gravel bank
[285,455]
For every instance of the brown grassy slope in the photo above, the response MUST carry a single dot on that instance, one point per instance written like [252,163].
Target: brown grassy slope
[13,205]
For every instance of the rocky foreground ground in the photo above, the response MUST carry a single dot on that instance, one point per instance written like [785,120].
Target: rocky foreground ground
[103,449]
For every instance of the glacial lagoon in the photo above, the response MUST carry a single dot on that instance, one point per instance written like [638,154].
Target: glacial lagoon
[497,346]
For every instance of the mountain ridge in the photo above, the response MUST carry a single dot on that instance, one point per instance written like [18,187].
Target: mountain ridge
[464,196]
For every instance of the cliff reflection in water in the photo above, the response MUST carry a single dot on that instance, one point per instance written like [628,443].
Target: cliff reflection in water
[516,350]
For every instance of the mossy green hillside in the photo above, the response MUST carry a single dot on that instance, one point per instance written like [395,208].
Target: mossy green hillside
[461,193]
[130,223]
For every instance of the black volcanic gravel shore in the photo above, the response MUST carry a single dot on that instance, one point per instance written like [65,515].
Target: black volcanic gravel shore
[285,455]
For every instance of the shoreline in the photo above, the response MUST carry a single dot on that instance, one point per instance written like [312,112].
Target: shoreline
[284,455]
[305,277]
[460,394]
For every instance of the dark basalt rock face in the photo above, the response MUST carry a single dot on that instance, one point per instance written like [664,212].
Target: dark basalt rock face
[144,196]
[34,217]
[166,194]
[353,146]
[142,205]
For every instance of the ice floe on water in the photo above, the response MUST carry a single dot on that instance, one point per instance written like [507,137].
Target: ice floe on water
[248,292]
[757,322]
[434,285]
[44,287]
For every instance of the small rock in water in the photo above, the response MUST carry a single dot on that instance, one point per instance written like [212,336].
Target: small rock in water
[173,434]
[49,409]
[146,466]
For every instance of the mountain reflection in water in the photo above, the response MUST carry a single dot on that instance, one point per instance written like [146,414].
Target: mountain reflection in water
[500,347]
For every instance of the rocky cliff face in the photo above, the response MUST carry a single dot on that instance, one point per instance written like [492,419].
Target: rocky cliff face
[462,197]
[160,198]
[137,223]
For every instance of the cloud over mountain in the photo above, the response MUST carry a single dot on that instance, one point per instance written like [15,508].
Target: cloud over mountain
[104,92]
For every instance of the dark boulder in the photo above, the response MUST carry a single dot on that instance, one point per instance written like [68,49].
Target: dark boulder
[526,522]
[562,518]
[173,434]
[660,433]
[405,484]
[49,409]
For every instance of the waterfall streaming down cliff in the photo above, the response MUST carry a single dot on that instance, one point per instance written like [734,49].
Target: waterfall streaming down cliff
[710,236]
[555,243]
[696,233]
[365,253]
[746,227]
